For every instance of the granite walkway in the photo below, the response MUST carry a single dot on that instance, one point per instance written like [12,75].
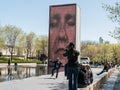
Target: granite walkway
[46,82]
[113,83]
[117,82]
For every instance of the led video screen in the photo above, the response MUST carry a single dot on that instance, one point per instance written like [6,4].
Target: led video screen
[62,30]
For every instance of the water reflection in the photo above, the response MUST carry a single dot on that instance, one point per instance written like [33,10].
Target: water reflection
[21,72]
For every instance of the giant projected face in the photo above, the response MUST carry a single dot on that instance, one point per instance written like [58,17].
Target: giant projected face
[62,30]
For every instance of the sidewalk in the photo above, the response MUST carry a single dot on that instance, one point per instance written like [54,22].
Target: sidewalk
[117,82]
[44,82]
[113,83]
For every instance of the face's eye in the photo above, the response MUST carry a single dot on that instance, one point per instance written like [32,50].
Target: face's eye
[53,23]
[70,20]
[55,20]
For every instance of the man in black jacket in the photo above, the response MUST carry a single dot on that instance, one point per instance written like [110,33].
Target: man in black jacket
[72,66]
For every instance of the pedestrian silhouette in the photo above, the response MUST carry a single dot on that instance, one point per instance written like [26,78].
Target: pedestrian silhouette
[72,66]
[57,65]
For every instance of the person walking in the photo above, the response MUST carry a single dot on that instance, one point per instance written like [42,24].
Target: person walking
[105,69]
[72,66]
[57,65]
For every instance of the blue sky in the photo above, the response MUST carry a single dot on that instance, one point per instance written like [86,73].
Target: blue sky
[33,16]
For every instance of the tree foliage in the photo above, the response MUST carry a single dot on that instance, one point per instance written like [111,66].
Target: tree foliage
[114,11]
[101,52]
[114,15]
[22,43]
[29,44]
[41,45]
[10,33]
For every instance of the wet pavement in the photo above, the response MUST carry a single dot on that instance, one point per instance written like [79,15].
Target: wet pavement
[113,83]
[117,83]
[43,82]
[46,82]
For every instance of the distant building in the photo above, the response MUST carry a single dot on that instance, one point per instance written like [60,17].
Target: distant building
[6,52]
[107,42]
[100,40]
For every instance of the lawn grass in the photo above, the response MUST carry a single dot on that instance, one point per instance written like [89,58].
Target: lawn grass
[18,60]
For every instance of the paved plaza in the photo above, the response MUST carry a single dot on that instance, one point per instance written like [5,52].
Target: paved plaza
[46,82]
[110,83]
[117,83]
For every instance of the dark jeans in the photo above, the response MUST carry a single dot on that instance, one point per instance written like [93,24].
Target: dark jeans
[57,69]
[72,77]
[66,69]
[101,72]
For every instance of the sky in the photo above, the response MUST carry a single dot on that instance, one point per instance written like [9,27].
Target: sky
[33,16]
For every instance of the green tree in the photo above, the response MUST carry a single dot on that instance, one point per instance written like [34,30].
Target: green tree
[44,44]
[114,15]
[41,45]
[10,33]
[29,45]
[88,49]
[2,39]
[21,44]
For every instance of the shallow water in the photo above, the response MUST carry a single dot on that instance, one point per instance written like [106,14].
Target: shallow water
[12,72]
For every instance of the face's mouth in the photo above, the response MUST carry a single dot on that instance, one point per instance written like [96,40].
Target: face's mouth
[59,50]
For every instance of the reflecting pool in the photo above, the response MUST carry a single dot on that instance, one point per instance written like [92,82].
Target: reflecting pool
[20,72]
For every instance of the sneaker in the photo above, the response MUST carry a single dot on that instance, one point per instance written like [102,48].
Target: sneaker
[97,74]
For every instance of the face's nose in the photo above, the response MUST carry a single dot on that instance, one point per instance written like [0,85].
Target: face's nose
[62,29]
[62,33]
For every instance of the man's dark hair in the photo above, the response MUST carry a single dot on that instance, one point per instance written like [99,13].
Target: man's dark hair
[71,44]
